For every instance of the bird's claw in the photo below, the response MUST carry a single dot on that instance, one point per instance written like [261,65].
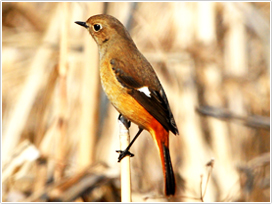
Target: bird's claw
[123,154]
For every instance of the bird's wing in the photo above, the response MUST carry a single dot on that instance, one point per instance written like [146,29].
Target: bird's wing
[146,89]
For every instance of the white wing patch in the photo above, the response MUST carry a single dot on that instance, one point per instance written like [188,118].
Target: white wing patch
[145,90]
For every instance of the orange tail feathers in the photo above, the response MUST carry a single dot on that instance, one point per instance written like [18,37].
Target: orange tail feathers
[162,139]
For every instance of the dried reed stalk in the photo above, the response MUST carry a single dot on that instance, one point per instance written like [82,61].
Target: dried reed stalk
[236,66]
[40,111]
[61,129]
[37,76]
[125,164]
[89,94]
[192,145]
[210,76]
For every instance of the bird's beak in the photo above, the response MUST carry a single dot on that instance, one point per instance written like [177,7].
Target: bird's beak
[81,23]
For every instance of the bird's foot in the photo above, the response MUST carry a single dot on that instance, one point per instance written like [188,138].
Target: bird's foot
[123,154]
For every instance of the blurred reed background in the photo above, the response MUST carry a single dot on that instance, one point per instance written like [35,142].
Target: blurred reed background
[59,133]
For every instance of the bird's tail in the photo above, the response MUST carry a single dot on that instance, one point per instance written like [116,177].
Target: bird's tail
[169,178]
[162,139]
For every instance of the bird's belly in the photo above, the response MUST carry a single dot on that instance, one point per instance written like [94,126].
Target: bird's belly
[122,101]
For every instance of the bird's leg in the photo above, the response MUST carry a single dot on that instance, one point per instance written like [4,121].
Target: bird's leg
[125,121]
[126,151]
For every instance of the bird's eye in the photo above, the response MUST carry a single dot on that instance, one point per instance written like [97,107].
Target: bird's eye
[97,27]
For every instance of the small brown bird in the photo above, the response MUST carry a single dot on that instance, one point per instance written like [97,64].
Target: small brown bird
[133,87]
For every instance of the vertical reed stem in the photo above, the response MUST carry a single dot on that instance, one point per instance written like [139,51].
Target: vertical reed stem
[125,164]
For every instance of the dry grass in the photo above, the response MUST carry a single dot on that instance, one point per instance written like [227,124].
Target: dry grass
[60,133]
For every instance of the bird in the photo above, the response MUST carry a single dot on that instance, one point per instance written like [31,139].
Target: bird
[133,88]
